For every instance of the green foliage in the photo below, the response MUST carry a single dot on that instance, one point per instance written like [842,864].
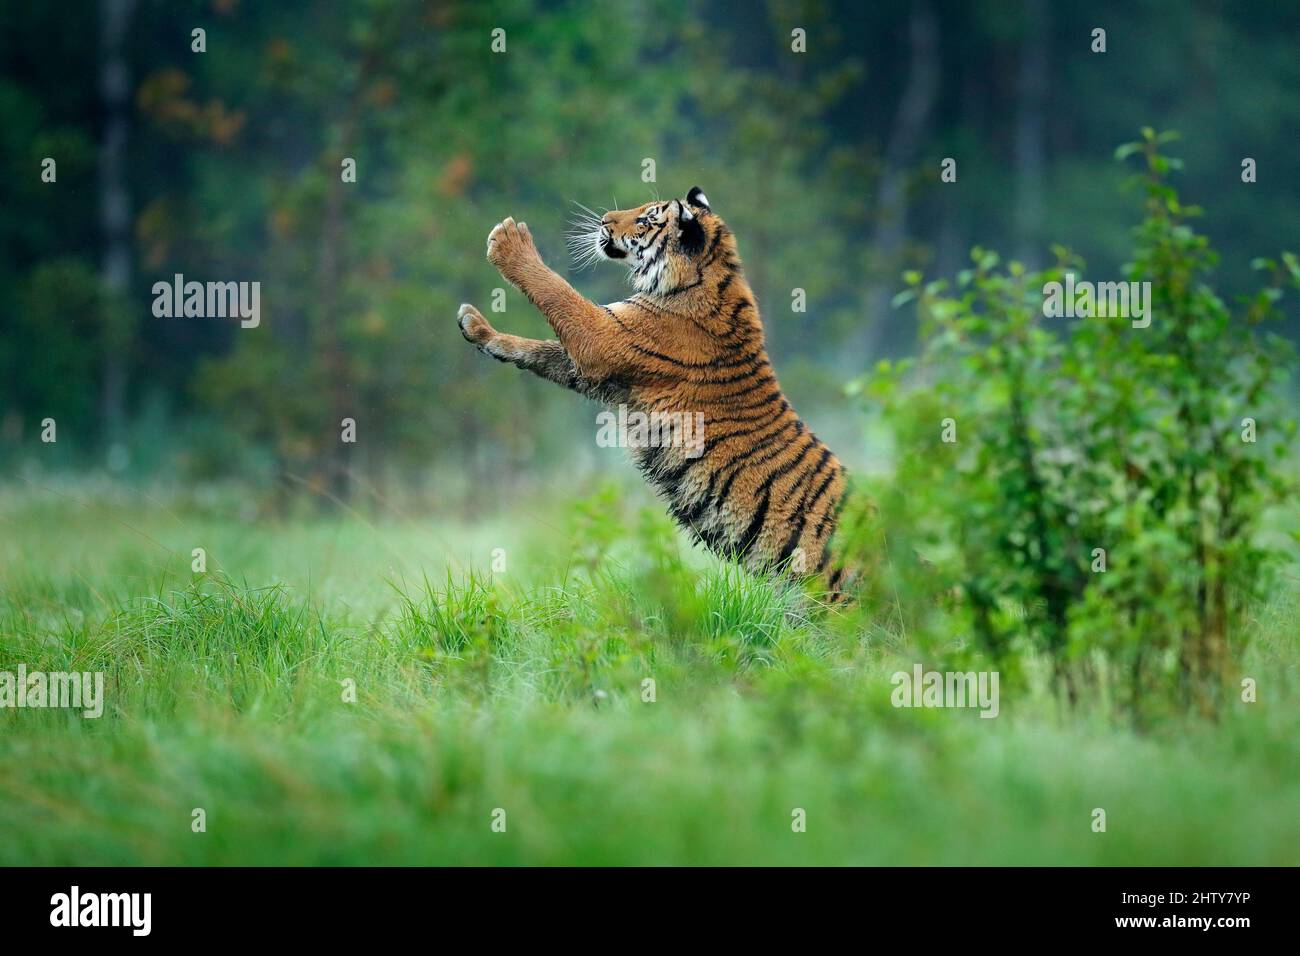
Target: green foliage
[456,619]
[1105,436]
[62,370]
[527,692]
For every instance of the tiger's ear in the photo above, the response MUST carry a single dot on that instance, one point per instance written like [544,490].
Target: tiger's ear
[690,233]
[696,197]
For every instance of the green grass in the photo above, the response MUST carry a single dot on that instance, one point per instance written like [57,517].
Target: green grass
[522,690]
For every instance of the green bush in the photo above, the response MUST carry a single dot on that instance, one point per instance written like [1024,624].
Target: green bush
[1092,490]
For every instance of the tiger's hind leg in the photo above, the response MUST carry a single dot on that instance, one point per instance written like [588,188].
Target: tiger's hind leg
[544,358]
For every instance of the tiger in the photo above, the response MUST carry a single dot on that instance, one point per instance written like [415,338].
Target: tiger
[760,489]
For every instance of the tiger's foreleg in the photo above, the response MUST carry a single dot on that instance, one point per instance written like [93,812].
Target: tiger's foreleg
[587,332]
[546,359]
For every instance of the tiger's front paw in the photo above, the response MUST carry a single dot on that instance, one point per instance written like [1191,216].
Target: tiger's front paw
[510,248]
[474,327]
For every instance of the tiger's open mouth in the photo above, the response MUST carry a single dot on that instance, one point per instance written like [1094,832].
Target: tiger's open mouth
[607,246]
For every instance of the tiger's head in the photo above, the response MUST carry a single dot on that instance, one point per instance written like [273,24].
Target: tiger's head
[665,244]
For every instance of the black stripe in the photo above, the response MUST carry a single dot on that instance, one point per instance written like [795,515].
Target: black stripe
[787,549]
[718,468]
[645,306]
[766,443]
[765,400]
[674,476]
[768,379]
[657,355]
[686,288]
[808,474]
[831,512]
[734,333]
[650,461]
[638,299]
[656,311]
[766,423]
[755,527]
[738,377]
[821,489]
[682,363]
[699,269]
[793,540]
[712,538]
[766,420]
[689,518]
[717,238]
[732,471]
[755,355]
[789,465]
[614,315]
[753,449]
[771,415]
[766,487]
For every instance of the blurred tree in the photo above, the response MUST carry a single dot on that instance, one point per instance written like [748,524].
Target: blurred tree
[115,213]
[823,158]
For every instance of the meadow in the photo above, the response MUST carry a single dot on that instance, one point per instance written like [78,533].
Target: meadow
[359,595]
[563,682]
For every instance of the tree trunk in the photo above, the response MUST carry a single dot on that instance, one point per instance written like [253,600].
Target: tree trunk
[890,231]
[114,218]
[1031,123]
[335,366]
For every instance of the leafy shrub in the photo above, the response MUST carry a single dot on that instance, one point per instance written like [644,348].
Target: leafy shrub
[1097,501]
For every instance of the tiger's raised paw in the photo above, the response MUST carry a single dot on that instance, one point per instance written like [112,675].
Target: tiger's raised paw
[510,248]
[473,326]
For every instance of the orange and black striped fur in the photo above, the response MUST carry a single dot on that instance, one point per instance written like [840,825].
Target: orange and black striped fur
[764,491]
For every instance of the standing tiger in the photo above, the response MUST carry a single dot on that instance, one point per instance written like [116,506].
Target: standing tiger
[762,490]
